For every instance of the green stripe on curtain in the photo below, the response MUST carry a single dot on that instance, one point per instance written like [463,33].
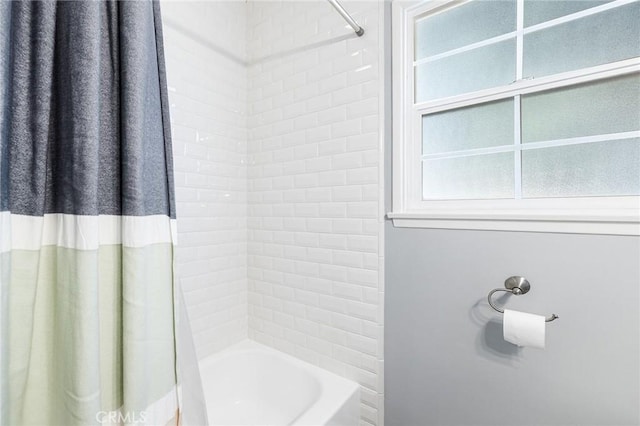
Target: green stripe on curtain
[54,294]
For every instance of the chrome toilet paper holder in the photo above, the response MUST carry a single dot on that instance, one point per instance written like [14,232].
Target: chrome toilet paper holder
[515,285]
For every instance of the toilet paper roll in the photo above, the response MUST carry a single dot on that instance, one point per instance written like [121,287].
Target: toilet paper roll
[523,329]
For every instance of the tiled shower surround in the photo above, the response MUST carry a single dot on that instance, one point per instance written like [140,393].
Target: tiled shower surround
[314,188]
[278,160]
[207,81]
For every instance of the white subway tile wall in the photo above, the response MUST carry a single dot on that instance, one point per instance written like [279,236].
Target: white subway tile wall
[302,222]
[314,188]
[205,45]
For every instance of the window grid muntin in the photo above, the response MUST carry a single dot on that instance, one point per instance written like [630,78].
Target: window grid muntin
[517,147]
[543,143]
[518,35]
[521,31]
[535,145]
[517,138]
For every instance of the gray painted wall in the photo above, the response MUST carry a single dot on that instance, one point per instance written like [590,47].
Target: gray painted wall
[445,360]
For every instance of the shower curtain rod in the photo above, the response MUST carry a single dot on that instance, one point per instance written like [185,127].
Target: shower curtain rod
[357,28]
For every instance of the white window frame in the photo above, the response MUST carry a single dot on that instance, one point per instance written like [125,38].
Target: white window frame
[590,215]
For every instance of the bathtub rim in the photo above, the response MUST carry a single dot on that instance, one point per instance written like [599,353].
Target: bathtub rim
[335,390]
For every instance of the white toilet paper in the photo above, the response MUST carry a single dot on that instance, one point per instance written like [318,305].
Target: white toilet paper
[523,329]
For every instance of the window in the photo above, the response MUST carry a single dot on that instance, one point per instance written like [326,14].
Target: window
[517,115]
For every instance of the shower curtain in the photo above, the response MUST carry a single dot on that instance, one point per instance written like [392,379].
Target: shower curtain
[87,219]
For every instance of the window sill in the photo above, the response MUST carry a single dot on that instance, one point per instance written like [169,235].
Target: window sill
[620,223]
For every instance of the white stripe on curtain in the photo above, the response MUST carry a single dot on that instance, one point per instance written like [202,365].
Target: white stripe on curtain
[20,232]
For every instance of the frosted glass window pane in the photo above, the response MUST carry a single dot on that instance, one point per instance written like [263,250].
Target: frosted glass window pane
[608,106]
[609,168]
[479,126]
[463,25]
[489,66]
[606,37]
[475,177]
[537,11]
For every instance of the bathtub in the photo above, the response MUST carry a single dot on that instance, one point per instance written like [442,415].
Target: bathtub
[252,384]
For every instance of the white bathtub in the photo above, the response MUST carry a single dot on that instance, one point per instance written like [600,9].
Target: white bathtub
[252,384]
